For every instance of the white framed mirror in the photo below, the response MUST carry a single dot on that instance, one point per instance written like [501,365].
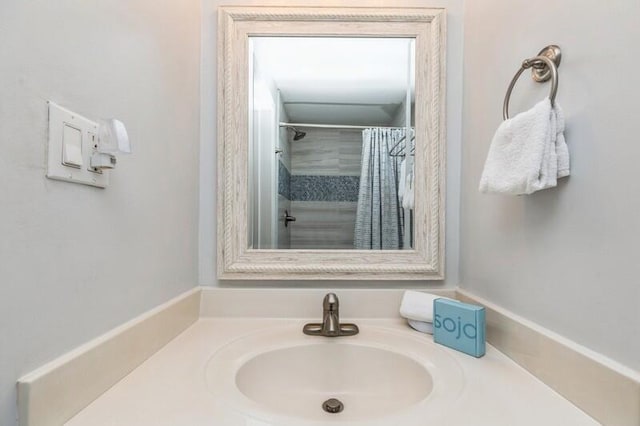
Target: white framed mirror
[331,143]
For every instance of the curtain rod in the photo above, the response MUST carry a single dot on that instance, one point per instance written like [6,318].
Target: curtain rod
[333,126]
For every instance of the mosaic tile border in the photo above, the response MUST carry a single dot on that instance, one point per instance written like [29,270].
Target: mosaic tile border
[324,188]
[316,188]
[284,181]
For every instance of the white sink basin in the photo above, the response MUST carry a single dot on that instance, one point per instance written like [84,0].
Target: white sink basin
[282,377]
[370,382]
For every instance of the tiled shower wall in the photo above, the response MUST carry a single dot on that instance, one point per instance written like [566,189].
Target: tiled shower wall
[323,188]
[284,181]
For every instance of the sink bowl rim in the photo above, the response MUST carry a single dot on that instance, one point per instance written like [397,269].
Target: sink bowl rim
[448,380]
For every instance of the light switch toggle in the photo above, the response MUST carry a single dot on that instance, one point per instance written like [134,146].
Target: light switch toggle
[71,146]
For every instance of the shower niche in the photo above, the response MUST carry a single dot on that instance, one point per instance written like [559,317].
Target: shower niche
[331,143]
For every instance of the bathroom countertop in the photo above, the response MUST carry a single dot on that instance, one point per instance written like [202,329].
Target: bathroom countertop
[170,388]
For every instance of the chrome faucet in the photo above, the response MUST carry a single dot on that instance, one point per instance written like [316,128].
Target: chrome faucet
[330,326]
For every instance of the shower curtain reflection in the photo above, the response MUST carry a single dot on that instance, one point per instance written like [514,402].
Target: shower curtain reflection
[380,217]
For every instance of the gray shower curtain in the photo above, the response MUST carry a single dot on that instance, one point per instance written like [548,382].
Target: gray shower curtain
[378,221]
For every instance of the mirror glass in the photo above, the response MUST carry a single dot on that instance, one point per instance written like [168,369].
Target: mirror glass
[331,143]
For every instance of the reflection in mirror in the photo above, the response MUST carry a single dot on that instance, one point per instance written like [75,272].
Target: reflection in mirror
[331,143]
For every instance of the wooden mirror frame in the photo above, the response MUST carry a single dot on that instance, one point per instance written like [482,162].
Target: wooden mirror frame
[235,260]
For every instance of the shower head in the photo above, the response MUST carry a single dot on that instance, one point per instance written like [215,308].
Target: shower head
[297,133]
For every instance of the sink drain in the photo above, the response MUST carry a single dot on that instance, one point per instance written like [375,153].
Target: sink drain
[332,405]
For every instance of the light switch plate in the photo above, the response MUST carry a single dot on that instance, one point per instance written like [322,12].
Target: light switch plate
[64,162]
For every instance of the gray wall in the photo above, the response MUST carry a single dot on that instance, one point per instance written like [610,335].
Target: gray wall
[565,258]
[207,264]
[76,261]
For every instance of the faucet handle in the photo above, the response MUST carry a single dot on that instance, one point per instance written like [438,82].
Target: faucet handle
[330,302]
[330,326]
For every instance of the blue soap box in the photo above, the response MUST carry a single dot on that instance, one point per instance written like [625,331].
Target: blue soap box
[460,326]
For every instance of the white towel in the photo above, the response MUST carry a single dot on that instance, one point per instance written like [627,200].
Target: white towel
[408,197]
[562,150]
[418,306]
[402,180]
[528,152]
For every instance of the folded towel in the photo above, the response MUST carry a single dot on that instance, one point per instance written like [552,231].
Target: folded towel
[402,180]
[528,152]
[418,306]
[408,198]
[421,326]
[562,150]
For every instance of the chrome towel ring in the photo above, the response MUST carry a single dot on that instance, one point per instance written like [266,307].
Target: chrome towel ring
[543,67]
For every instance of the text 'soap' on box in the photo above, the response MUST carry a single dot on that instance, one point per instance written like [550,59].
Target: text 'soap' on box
[460,326]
